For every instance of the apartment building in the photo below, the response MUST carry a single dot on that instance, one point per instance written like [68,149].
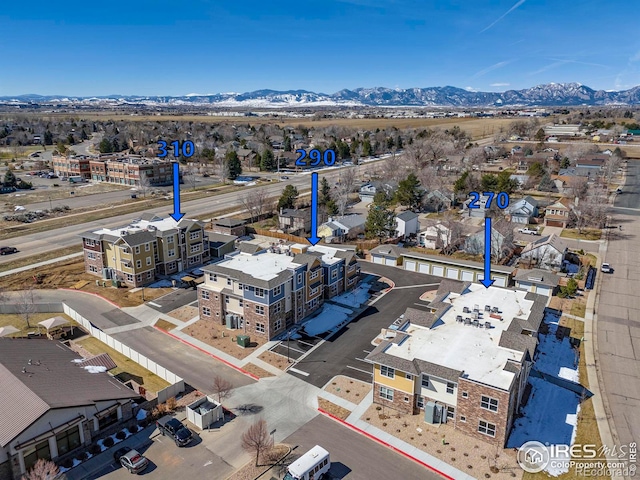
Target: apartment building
[465,360]
[264,292]
[150,246]
[135,171]
[73,166]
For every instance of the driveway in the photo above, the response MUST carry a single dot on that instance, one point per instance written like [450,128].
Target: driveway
[353,456]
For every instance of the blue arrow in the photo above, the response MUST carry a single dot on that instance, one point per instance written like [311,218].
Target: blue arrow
[177,214]
[486,281]
[314,239]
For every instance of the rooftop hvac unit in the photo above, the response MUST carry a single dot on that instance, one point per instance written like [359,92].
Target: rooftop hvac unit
[123,232]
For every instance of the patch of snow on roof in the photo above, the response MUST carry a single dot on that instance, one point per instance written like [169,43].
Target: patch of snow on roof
[263,266]
[95,368]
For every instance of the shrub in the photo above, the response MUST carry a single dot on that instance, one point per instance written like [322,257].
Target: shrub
[469,467]
[384,424]
[108,442]
[438,451]
[95,449]
[121,435]
[486,475]
[453,449]
[494,469]
[378,408]
[368,418]
[172,404]
[68,463]
[483,457]
[453,459]
[465,454]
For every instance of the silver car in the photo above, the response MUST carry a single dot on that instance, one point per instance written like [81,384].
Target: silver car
[131,459]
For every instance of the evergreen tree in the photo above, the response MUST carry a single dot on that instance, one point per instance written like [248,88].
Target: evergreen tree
[288,197]
[366,148]
[71,140]
[287,143]
[506,183]
[540,136]
[536,170]
[10,179]
[546,184]
[83,135]
[105,146]
[380,222]
[489,183]
[409,192]
[399,142]
[325,192]
[268,161]
[332,207]
[116,145]
[48,138]
[234,167]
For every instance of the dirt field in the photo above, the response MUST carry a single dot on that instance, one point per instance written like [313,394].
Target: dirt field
[184,314]
[256,370]
[336,410]
[71,272]
[221,338]
[274,360]
[461,451]
[348,388]
[25,197]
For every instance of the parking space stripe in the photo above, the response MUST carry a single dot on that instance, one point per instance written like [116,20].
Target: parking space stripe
[299,372]
[154,304]
[363,360]
[359,369]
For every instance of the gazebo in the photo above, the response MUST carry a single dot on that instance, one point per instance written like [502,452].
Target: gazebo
[8,330]
[52,324]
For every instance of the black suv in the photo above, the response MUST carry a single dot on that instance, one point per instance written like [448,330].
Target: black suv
[7,250]
[175,429]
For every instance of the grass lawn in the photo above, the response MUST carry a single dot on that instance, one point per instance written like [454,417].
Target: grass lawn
[19,322]
[587,233]
[578,309]
[127,369]
[40,258]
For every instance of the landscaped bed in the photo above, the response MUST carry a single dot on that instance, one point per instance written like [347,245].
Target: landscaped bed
[275,360]
[222,338]
[348,388]
[335,410]
[251,472]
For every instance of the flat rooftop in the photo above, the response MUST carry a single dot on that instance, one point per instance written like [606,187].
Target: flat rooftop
[263,266]
[473,350]
[139,226]
[328,254]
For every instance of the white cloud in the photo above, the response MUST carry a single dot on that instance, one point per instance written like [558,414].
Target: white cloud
[491,68]
[548,67]
[500,84]
[470,89]
[518,4]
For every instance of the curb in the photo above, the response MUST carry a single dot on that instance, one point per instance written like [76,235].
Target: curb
[229,364]
[385,444]
[91,293]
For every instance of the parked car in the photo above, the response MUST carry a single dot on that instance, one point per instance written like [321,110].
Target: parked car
[528,231]
[284,177]
[131,459]
[619,190]
[7,250]
[606,268]
[174,428]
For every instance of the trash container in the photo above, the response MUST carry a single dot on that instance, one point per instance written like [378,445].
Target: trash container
[115,283]
[133,195]
[243,340]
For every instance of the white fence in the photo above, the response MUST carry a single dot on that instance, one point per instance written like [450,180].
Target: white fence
[177,383]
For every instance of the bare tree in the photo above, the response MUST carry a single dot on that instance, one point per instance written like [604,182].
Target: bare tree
[347,184]
[453,236]
[42,470]
[222,167]
[577,187]
[222,388]
[257,439]
[145,184]
[502,237]
[26,304]
[255,202]
[189,175]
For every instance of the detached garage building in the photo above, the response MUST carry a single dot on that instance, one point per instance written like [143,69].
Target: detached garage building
[447,267]
[387,255]
[535,280]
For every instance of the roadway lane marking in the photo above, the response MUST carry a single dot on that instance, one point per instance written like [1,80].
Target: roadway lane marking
[154,304]
[416,286]
[299,372]
[358,369]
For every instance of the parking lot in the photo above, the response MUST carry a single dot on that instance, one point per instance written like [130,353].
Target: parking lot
[344,353]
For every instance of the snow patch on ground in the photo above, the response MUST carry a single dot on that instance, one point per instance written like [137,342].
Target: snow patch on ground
[331,317]
[161,284]
[355,298]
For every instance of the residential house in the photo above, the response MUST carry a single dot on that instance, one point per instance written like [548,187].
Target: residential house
[535,280]
[246,157]
[439,200]
[407,224]
[547,252]
[369,190]
[523,211]
[149,246]
[294,221]
[338,229]
[591,162]
[481,207]
[264,293]
[465,359]
[435,236]
[474,243]
[229,226]
[557,214]
[386,255]
[219,243]
[51,406]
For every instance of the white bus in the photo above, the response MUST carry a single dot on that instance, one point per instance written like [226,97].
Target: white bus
[310,466]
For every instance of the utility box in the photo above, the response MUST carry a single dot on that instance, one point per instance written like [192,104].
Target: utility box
[433,413]
[243,341]
[115,283]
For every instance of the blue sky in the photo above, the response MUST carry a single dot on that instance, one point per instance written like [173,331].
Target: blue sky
[170,47]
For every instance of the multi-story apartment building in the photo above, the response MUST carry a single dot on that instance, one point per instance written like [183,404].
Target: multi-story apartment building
[263,293]
[136,254]
[131,170]
[73,166]
[465,360]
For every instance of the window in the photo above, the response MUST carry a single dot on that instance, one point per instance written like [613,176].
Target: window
[205,295]
[408,376]
[137,249]
[259,292]
[334,274]
[149,274]
[170,239]
[107,420]
[70,439]
[299,278]
[90,243]
[277,325]
[277,291]
[260,309]
[314,291]
[138,263]
[425,381]
[259,327]
[195,248]
[463,418]
[240,286]
[148,261]
[91,256]
[451,412]
[33,454]
[406,399]
[387,371]
[489,403]
[240,302]
[277,308]
[172,252]
[194,235]
[314,273]
[213,277]
[465,395]
[487,428]
[420,402]
[138,278]
[226,299]
[129,277]
[93,268]
[147,247]
[206,311]
[386,393]
[229,282]
[450,387]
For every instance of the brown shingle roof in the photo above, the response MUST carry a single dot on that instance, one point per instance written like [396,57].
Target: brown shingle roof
[102,360]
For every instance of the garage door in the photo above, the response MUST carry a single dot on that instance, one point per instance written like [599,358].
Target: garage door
[452,273]
[390,261]
[543,290]
[377,259]
[468,276]
[501,282]
[438,271]
[424,268]
[410,265]
[554,223]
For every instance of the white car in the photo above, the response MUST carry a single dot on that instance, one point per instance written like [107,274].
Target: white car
[606,268]
[528,231]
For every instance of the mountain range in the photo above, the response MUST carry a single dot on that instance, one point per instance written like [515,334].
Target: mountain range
[551,94]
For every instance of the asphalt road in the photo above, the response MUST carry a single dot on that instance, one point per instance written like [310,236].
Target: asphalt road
[618,314]
[39,243]
[344,353]
[353,456]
